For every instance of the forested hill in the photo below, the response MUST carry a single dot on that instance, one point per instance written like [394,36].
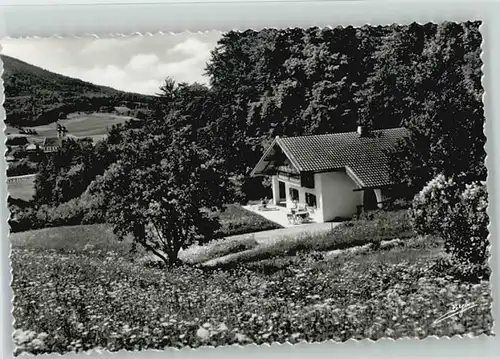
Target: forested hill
[36,96]
[313,81]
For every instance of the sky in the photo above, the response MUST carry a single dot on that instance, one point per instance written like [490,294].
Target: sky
[134,63]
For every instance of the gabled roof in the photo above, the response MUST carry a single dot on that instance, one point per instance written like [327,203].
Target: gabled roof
[363,158]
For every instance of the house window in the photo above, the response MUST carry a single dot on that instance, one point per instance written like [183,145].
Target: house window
[311,200]
[294,194]
[307,180]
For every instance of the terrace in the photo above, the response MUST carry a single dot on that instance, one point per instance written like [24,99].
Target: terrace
[280,214]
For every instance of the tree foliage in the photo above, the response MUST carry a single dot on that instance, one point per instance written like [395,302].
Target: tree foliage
[65,174]
[313,81]
[446,115]
[163,188]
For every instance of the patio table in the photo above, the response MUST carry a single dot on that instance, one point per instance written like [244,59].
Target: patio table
[298,217]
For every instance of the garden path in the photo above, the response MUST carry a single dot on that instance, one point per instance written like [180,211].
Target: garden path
[269,237]
[272,235]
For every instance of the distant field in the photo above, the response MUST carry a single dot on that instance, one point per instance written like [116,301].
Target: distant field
[23,189]
[93,125]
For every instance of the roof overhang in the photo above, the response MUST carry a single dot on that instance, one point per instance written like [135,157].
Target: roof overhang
[354,177]
[268,156]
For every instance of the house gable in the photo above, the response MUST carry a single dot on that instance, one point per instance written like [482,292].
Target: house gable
[274,160]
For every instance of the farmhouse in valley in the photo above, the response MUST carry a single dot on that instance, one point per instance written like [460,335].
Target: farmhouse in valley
[333,175]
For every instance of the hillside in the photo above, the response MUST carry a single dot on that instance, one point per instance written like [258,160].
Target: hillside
[35,96]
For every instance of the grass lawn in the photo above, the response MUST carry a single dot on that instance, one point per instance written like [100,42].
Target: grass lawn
[24,189]
[72,296]
[97,238]
[100,237]
[237,220]
[373,228]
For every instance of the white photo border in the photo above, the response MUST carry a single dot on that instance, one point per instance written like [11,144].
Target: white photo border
[128,18]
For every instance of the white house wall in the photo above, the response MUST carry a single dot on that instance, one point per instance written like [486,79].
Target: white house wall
[316,215]
[338,198]
[276,190]
[380,197]
[334,195]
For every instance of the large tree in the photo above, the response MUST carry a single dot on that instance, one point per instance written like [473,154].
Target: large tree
[163,189]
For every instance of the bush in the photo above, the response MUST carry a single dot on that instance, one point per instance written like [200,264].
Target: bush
[458,215]
[470,272]
[66,214]
[21,218]
[21,168]
[432,205]
[466,227]
[82,210]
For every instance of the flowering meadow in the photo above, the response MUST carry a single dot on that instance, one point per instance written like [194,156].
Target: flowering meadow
[73,301]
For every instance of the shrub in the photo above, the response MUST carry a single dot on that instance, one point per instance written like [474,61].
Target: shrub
[432,205]
[398,204]
[21,219]
[458,215]
[450,265]
[82,210]
[68,213]
[466,227]
[21,168]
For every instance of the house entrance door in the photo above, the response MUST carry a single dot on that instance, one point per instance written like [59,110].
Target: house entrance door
[369,200]
[282,191]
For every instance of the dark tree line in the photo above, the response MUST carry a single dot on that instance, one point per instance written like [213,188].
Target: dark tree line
[293,82]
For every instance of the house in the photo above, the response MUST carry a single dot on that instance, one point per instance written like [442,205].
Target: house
[333,175]
[31,148]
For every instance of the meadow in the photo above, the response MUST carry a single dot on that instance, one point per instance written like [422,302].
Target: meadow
[23,189]
[76,291]
[93,125]
[238,220]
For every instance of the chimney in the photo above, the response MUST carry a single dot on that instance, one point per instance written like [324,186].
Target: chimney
[362,131]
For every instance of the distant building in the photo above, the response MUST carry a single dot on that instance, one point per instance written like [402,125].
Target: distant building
[334,175]
[32,147]
[51,144]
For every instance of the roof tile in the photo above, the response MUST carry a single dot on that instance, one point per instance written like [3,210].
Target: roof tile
[365,156]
